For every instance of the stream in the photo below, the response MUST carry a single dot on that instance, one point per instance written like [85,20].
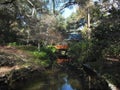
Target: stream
[59,81]
[62,79]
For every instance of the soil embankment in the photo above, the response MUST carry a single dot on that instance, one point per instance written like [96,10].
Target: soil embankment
[14,68]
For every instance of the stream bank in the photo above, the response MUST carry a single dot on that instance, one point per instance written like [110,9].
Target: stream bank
[23,77]
[37,78]
[15,78]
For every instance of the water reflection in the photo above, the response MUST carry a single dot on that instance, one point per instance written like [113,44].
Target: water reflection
[54,81]
[66,85]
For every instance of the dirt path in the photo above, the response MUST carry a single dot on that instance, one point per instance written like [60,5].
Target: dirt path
[13,53]
[4,70]
[13,50]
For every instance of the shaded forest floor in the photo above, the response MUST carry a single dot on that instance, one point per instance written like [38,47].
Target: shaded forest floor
[12,58]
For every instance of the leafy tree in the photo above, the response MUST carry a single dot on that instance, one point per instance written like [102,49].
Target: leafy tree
[106,34]
[9,31]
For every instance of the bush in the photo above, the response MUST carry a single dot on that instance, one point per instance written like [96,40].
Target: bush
[12,44]
[113,50]
[79,51]
[40,55]
[45,63]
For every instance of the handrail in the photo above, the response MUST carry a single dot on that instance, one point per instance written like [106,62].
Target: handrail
[61,46]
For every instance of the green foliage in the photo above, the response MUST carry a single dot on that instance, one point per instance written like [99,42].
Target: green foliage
[51,48]
[113,50]
[45,53]
[95,13]
[12,44]
[79,51]
[40,55]
[45,56]
[50,51]
[45,63]
[8,24]
[106,35]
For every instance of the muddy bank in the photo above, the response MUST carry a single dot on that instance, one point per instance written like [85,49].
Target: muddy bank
[12,80]
[9,60]
[13,71]
[18,79]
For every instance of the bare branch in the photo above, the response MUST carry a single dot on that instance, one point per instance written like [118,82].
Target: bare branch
[67,5]
[30,3]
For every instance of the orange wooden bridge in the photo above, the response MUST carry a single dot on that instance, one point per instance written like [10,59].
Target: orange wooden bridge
[62,53]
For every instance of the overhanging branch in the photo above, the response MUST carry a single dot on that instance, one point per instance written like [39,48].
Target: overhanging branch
[67,5]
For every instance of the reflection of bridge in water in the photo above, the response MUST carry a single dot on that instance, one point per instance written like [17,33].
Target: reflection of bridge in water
[61,53]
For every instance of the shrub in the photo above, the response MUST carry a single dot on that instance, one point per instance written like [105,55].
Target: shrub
[12,44]
[79,51]
[40,55]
